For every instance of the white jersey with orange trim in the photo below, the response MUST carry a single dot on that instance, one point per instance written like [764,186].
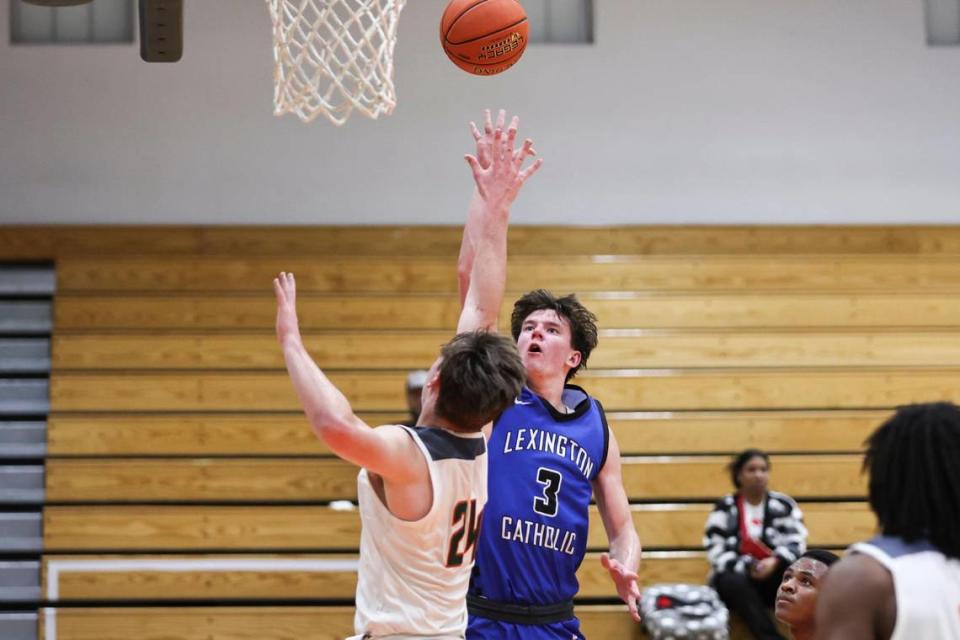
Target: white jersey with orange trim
[926,584]
[413,575]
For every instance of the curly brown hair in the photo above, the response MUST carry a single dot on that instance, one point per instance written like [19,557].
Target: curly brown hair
[583,324]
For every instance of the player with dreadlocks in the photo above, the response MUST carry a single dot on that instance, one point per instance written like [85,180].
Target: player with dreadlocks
[905,583]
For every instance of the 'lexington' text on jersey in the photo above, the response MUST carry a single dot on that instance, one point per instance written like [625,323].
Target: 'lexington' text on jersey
[541,467]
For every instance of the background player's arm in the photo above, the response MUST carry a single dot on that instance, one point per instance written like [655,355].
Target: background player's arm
[856,601]
[495,191]
[387,451]
[624,558]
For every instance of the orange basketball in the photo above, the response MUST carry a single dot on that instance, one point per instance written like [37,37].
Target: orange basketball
[484,37]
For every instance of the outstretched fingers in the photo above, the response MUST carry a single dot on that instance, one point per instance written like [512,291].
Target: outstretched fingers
[529,171]
[278,291]
[524,152]
[633,604]
[477,171]
[512,131]
[285,286]
[626,582]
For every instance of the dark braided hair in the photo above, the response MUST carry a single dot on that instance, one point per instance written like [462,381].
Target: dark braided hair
[914,465]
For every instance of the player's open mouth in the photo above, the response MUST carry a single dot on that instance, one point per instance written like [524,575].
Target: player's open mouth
[534,348]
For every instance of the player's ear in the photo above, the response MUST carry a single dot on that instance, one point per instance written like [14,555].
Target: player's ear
[574,359]
[433,381]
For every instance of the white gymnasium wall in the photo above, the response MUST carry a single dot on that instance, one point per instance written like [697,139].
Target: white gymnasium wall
[700,111]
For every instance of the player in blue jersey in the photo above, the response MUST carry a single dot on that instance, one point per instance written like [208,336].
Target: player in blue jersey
[548,453]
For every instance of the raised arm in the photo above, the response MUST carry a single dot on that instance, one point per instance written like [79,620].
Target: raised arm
[484,245]
[387,451]
[623,560]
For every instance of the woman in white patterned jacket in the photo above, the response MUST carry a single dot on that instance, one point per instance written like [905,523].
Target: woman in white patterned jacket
[751,537]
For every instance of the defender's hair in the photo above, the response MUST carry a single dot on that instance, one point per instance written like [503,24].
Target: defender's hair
[583,324]
[480,375]
[915,476]
[741,460]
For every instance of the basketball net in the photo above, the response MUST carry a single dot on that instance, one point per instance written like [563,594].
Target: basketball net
[333,56]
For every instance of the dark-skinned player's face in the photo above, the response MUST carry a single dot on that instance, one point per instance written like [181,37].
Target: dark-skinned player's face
[797,595]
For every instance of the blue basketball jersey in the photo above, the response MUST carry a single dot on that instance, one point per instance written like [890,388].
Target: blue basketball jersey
[534,529]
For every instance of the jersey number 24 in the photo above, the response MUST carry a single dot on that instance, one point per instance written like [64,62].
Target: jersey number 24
[466,523]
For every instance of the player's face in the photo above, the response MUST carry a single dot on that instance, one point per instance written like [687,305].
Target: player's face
[754,477]
[797,595]
[544,344]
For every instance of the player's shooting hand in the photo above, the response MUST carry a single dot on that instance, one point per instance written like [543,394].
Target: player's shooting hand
[484,140]
[626,582]
[498,166]
[285,288]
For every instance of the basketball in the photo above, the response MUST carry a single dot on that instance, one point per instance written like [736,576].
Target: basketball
[484,37]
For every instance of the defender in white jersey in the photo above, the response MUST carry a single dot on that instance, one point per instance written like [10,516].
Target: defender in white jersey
[422,490]
[905,583]
[426,561]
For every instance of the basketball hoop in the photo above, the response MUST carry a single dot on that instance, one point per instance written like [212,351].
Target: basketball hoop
[332,57]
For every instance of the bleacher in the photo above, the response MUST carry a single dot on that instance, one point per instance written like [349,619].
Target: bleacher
[186,498]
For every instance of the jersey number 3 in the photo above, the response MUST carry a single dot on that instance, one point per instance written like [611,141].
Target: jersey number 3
[550,479]
[465,515]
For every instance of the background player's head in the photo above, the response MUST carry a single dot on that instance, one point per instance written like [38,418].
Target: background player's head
[797,596]
[553,333]
[750,470]
[415,381]
[915,476]
[477,375]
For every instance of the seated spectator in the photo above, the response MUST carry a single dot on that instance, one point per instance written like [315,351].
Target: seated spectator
[415,381]
[797,596]
[752,536]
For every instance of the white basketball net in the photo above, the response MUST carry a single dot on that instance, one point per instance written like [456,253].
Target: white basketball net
[333,56]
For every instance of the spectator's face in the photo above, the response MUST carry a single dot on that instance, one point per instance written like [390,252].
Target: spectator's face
[797,595]
[754,476]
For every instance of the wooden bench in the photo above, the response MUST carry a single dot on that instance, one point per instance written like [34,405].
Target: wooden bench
[364,349]
[171,407]
[285,577]
[45,242]
[209,528]
[615,310]
[225,480]
[427,274]
[619,390]
[276,434]
[263,623]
